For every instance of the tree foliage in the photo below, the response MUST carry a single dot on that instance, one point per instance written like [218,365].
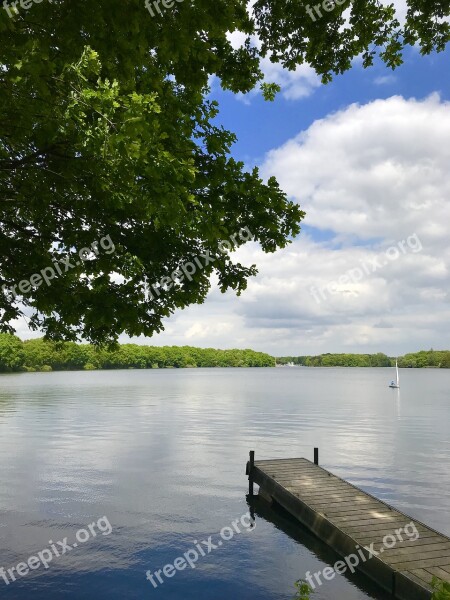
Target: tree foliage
[422,359]
[106,128]
[11,353]
[426,358]
[369,28]
[338,360]
[47,355]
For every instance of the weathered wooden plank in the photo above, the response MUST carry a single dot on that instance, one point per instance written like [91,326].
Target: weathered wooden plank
[402,549]
[321,494]
[348,511]
[425,534]
[429,541]
[300,465]
[274,468]
[377,539]
[359,503]
[365,520]
[422,574]
[324,494]
[307,471]
[439,572]
[281,461]
[311,485]
[423,563]
[382,529]
[418,554]
[291,474]
[307,480]
[348,490]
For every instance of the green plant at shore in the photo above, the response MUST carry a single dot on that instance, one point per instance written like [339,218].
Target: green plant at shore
[441,589]
[303,590]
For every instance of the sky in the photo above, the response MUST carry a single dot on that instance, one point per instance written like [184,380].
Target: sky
[367,157]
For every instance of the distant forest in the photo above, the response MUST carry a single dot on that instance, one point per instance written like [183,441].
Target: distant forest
[42,355]
[418,360]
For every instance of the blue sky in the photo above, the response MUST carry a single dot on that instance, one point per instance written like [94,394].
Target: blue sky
[261,126]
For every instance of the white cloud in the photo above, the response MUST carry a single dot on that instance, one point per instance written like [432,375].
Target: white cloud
[297,84]
[385,80]
[294,85]
[379,170]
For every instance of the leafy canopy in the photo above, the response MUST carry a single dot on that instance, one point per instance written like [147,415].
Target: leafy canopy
[47,355]
[106,129]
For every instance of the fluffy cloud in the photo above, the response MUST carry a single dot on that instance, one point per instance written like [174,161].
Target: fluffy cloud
[294,85]
[373,171]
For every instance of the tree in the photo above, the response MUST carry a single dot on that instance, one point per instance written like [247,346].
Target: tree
[11,353]
[39,352]
[107,133]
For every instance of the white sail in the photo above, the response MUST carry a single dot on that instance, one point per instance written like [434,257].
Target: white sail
[395,384]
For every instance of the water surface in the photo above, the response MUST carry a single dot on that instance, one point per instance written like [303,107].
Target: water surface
[162,453]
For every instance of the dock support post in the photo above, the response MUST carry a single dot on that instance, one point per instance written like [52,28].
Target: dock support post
[250,469]
[316,456]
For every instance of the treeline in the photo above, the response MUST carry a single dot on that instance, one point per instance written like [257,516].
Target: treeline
[439,359]
[423,359]
[338,360]
[42,355]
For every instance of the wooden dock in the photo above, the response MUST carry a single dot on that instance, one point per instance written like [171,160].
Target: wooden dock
[353,522]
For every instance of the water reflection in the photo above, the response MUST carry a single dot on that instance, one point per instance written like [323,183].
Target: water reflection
[321,554]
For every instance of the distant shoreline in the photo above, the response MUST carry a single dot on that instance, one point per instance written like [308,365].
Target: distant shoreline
[424,359]
[280,366]
[46,356]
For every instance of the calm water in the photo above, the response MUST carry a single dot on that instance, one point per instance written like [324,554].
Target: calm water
[162,455]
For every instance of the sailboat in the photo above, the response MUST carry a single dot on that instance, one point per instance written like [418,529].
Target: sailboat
[396,383]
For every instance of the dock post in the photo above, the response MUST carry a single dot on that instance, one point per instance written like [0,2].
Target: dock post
[316,456]
[250,469]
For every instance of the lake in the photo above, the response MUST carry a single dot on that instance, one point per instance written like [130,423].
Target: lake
[161,455]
